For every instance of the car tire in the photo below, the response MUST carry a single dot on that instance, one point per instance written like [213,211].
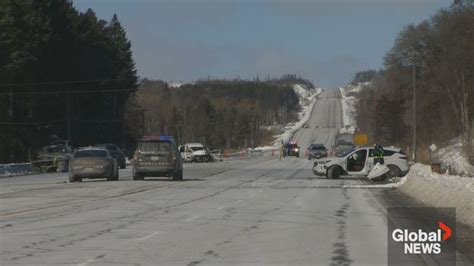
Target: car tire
[334,172]
[394,172]
[72,179]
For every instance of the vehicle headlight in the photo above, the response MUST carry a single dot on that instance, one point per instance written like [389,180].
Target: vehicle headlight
[296,149]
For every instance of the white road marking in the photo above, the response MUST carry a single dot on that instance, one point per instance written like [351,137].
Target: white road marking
[86,263]
[148,236]
[192,218]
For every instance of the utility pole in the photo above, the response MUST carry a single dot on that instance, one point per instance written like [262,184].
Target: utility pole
[68,116]
[179,135]
[143,122]
[251,136]
[414,109]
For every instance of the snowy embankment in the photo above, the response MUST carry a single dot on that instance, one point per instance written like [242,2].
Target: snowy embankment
[307,101]
[452,155]
[348,103]
[437,190]
[431,189]
[443,190]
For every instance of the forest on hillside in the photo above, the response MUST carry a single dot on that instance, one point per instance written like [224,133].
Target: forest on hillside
[219,113]
[436,56]
[63,74]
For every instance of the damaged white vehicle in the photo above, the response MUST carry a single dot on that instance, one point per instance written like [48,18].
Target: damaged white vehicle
[195,152]
[360,163]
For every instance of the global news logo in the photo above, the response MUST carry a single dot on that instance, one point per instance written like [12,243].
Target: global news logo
[421,242]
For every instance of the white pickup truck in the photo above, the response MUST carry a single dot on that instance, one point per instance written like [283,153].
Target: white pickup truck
[359,163]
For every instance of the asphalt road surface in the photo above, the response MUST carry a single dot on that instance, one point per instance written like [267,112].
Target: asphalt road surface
[254,212]
[324,122]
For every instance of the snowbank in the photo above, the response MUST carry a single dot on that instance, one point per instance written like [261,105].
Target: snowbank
[453,156]
[175,84]
[307,101]
[439,190]
[348,103]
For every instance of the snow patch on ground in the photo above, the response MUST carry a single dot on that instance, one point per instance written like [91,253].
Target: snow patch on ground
[453,156]
[175,84]
[348,102]
[307,101]
[264,149]
[441,190]
[451,182]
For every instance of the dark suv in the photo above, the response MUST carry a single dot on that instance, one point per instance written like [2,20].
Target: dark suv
[317,151]
[157,156]
[115,151]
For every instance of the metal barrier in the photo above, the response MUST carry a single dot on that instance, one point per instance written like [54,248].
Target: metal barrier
[13,169]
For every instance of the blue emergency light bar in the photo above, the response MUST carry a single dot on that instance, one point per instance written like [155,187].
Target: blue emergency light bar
[161,137]
[168,138]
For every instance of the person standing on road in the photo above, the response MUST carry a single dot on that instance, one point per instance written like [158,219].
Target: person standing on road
[378,154]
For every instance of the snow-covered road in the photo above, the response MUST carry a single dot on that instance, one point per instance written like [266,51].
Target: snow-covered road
[258,211]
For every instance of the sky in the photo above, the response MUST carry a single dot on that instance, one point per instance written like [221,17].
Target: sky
[325,41]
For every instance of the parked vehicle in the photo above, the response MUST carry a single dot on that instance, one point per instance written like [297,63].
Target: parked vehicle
[55,156]
[343,143]
[305,125]
[92,162]
[359,162]
[195,152]
[317,151]
[291,149]
[115,151]
[157,156]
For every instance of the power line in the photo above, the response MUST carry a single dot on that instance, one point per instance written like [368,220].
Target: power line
[61,82]
[110,121]
[64,92]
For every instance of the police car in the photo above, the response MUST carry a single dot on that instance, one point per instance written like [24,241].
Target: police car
[157,156]
[291,149]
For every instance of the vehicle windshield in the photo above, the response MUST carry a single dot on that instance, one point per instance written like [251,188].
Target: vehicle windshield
[154,146]
[343,153]
[318,148]
[55,149]
[112,147]
[90,153]
[197,148]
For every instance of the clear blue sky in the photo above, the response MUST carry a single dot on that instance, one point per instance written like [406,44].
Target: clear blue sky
[326,41]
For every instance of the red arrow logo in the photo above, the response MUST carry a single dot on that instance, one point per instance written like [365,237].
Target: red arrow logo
[446,229]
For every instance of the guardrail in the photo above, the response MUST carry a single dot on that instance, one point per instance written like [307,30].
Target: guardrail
[14,169]
[249,154]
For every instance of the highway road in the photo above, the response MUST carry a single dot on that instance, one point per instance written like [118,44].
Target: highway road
[324,122]
[259,211]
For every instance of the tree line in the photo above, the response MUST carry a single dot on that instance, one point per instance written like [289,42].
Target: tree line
[219,113]
[63,74]
[436,58]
